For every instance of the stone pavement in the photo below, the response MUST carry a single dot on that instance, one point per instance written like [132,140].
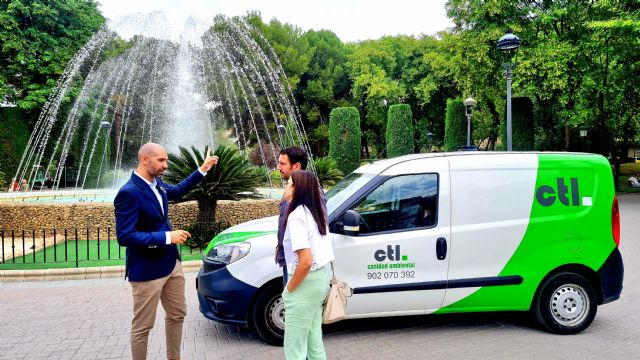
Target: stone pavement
[90,319]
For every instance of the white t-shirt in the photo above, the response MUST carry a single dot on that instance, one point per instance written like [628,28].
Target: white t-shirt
[302,233]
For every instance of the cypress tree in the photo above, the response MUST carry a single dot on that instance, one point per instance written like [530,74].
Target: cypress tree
[455,131]
[399,130]
[344,138]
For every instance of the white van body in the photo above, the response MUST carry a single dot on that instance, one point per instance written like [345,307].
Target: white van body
[510,230]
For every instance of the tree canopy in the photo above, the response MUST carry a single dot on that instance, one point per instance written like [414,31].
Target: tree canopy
[578,63]
[37,40]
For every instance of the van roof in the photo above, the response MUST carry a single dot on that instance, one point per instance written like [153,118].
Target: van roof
[378,166]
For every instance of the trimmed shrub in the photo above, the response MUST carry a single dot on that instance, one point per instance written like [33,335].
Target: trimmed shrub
[399,130]
[522,130]
[629,169]
[455,131]
[344,138]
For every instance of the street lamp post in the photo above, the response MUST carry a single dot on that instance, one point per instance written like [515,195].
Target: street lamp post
[509,43]
[429,140]
[282,132]
[469,104]
[583,135]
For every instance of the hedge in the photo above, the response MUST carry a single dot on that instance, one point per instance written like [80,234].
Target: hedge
[522,131]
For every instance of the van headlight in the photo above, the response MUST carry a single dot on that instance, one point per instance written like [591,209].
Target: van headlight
[229,253]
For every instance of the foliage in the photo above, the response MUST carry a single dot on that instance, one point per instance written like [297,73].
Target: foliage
[287,42]
[292,134]
[630,169]
[522,138]
[455,134]
[344,138]
[578,62]
[37,39]
[324,85]
[3,182]
[233,178]
[203,233]
[14,135]
[265,154]
[270,177]
[98,159]
[327,171]
[399,130]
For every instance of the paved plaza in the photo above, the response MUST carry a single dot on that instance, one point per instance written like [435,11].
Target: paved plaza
[90,319]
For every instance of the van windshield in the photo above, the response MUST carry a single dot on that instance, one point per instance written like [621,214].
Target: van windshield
[345,188]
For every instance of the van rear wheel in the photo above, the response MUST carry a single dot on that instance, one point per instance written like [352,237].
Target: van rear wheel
[566,304]
[268,314]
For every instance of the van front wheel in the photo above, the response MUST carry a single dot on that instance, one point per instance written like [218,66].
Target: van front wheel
[268,314]
[567,304]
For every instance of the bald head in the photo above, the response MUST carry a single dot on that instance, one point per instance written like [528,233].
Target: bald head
[150,150]
[152,161]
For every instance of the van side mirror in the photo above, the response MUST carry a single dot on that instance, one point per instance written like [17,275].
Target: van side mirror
[351,223]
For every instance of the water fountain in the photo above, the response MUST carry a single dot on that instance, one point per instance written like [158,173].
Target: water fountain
[134,82]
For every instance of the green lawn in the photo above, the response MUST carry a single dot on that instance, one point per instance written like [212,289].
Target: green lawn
[63,255]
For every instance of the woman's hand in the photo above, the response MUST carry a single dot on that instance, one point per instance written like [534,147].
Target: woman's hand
[304,266]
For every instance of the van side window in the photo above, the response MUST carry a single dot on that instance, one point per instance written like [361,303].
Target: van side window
[402,202]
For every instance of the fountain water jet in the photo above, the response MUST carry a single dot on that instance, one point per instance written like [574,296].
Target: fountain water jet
[136,83]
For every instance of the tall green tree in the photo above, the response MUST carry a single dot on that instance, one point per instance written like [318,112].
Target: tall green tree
[373,68]
[37,40]
[290,46]
[570,51]
[323,86]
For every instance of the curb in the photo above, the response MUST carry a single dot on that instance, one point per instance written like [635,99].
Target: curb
[101,272]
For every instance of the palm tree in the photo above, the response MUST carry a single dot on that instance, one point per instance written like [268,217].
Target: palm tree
[327,171]
[233,178]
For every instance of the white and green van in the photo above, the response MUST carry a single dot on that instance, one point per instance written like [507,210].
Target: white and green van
[513,231]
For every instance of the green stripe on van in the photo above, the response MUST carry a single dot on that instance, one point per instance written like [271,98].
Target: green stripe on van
[234,237]
[566,226]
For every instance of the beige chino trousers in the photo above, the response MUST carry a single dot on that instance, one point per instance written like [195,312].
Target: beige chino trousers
[146,294]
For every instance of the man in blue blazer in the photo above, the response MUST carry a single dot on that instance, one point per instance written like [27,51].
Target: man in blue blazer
[153,261]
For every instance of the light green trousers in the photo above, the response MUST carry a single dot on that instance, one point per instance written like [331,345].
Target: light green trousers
[303,317]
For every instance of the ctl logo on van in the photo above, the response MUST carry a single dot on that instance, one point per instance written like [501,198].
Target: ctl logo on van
[391,253]
[547,195]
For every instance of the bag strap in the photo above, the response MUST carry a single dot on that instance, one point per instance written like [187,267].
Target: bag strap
[333,280]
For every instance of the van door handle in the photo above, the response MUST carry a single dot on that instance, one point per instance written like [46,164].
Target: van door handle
[441,248]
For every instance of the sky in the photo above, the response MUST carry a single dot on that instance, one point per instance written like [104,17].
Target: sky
[350,20]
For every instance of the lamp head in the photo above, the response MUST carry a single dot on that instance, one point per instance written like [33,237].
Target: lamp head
[469,104]
[509,42]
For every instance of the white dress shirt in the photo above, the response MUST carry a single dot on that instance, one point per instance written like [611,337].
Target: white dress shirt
[154,188]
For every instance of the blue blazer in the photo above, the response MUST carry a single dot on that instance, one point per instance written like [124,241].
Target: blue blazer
[141,226]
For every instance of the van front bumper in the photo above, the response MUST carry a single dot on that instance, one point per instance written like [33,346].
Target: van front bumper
[222,297]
